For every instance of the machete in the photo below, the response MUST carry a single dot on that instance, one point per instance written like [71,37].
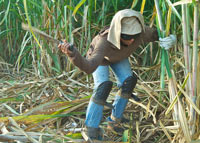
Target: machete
[44,35]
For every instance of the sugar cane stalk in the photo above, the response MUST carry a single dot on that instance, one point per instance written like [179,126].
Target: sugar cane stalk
[194,67]
[165,63]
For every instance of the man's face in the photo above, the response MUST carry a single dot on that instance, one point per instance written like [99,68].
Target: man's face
[127,42]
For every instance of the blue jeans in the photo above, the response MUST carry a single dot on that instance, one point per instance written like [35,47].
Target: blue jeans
[94,113]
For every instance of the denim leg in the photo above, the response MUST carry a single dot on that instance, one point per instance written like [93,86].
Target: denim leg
[122,70]
[94,111]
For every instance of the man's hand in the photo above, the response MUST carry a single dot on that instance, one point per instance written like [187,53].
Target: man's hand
[167,42]
[66,48]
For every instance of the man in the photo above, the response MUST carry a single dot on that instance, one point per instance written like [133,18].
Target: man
[111,48]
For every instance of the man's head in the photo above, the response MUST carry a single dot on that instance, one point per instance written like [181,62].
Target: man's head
[128,39]
[130,30]
[125,24]
[130,26]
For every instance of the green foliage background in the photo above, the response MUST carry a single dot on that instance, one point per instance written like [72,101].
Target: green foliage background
[55,18]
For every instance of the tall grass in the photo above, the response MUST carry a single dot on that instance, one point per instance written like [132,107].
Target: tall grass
[78,21]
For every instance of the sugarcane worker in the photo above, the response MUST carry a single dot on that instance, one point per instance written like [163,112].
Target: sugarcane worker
[111,48]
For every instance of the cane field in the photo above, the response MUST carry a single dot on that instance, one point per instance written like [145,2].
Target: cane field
[43,96]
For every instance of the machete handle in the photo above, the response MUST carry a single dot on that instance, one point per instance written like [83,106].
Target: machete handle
[71,48]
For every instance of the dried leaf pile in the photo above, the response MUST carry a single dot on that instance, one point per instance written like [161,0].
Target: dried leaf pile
[52,109]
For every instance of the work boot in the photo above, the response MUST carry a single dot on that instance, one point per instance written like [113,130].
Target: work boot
[91,134]
[115,126]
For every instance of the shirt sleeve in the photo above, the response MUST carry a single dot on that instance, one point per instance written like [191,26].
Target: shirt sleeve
[149,35]
[89,65]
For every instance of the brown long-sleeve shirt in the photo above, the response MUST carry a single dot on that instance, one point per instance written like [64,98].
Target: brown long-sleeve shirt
[102,52]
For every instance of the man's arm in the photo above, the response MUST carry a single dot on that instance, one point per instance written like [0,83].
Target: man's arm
[88,65]
[149,35]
